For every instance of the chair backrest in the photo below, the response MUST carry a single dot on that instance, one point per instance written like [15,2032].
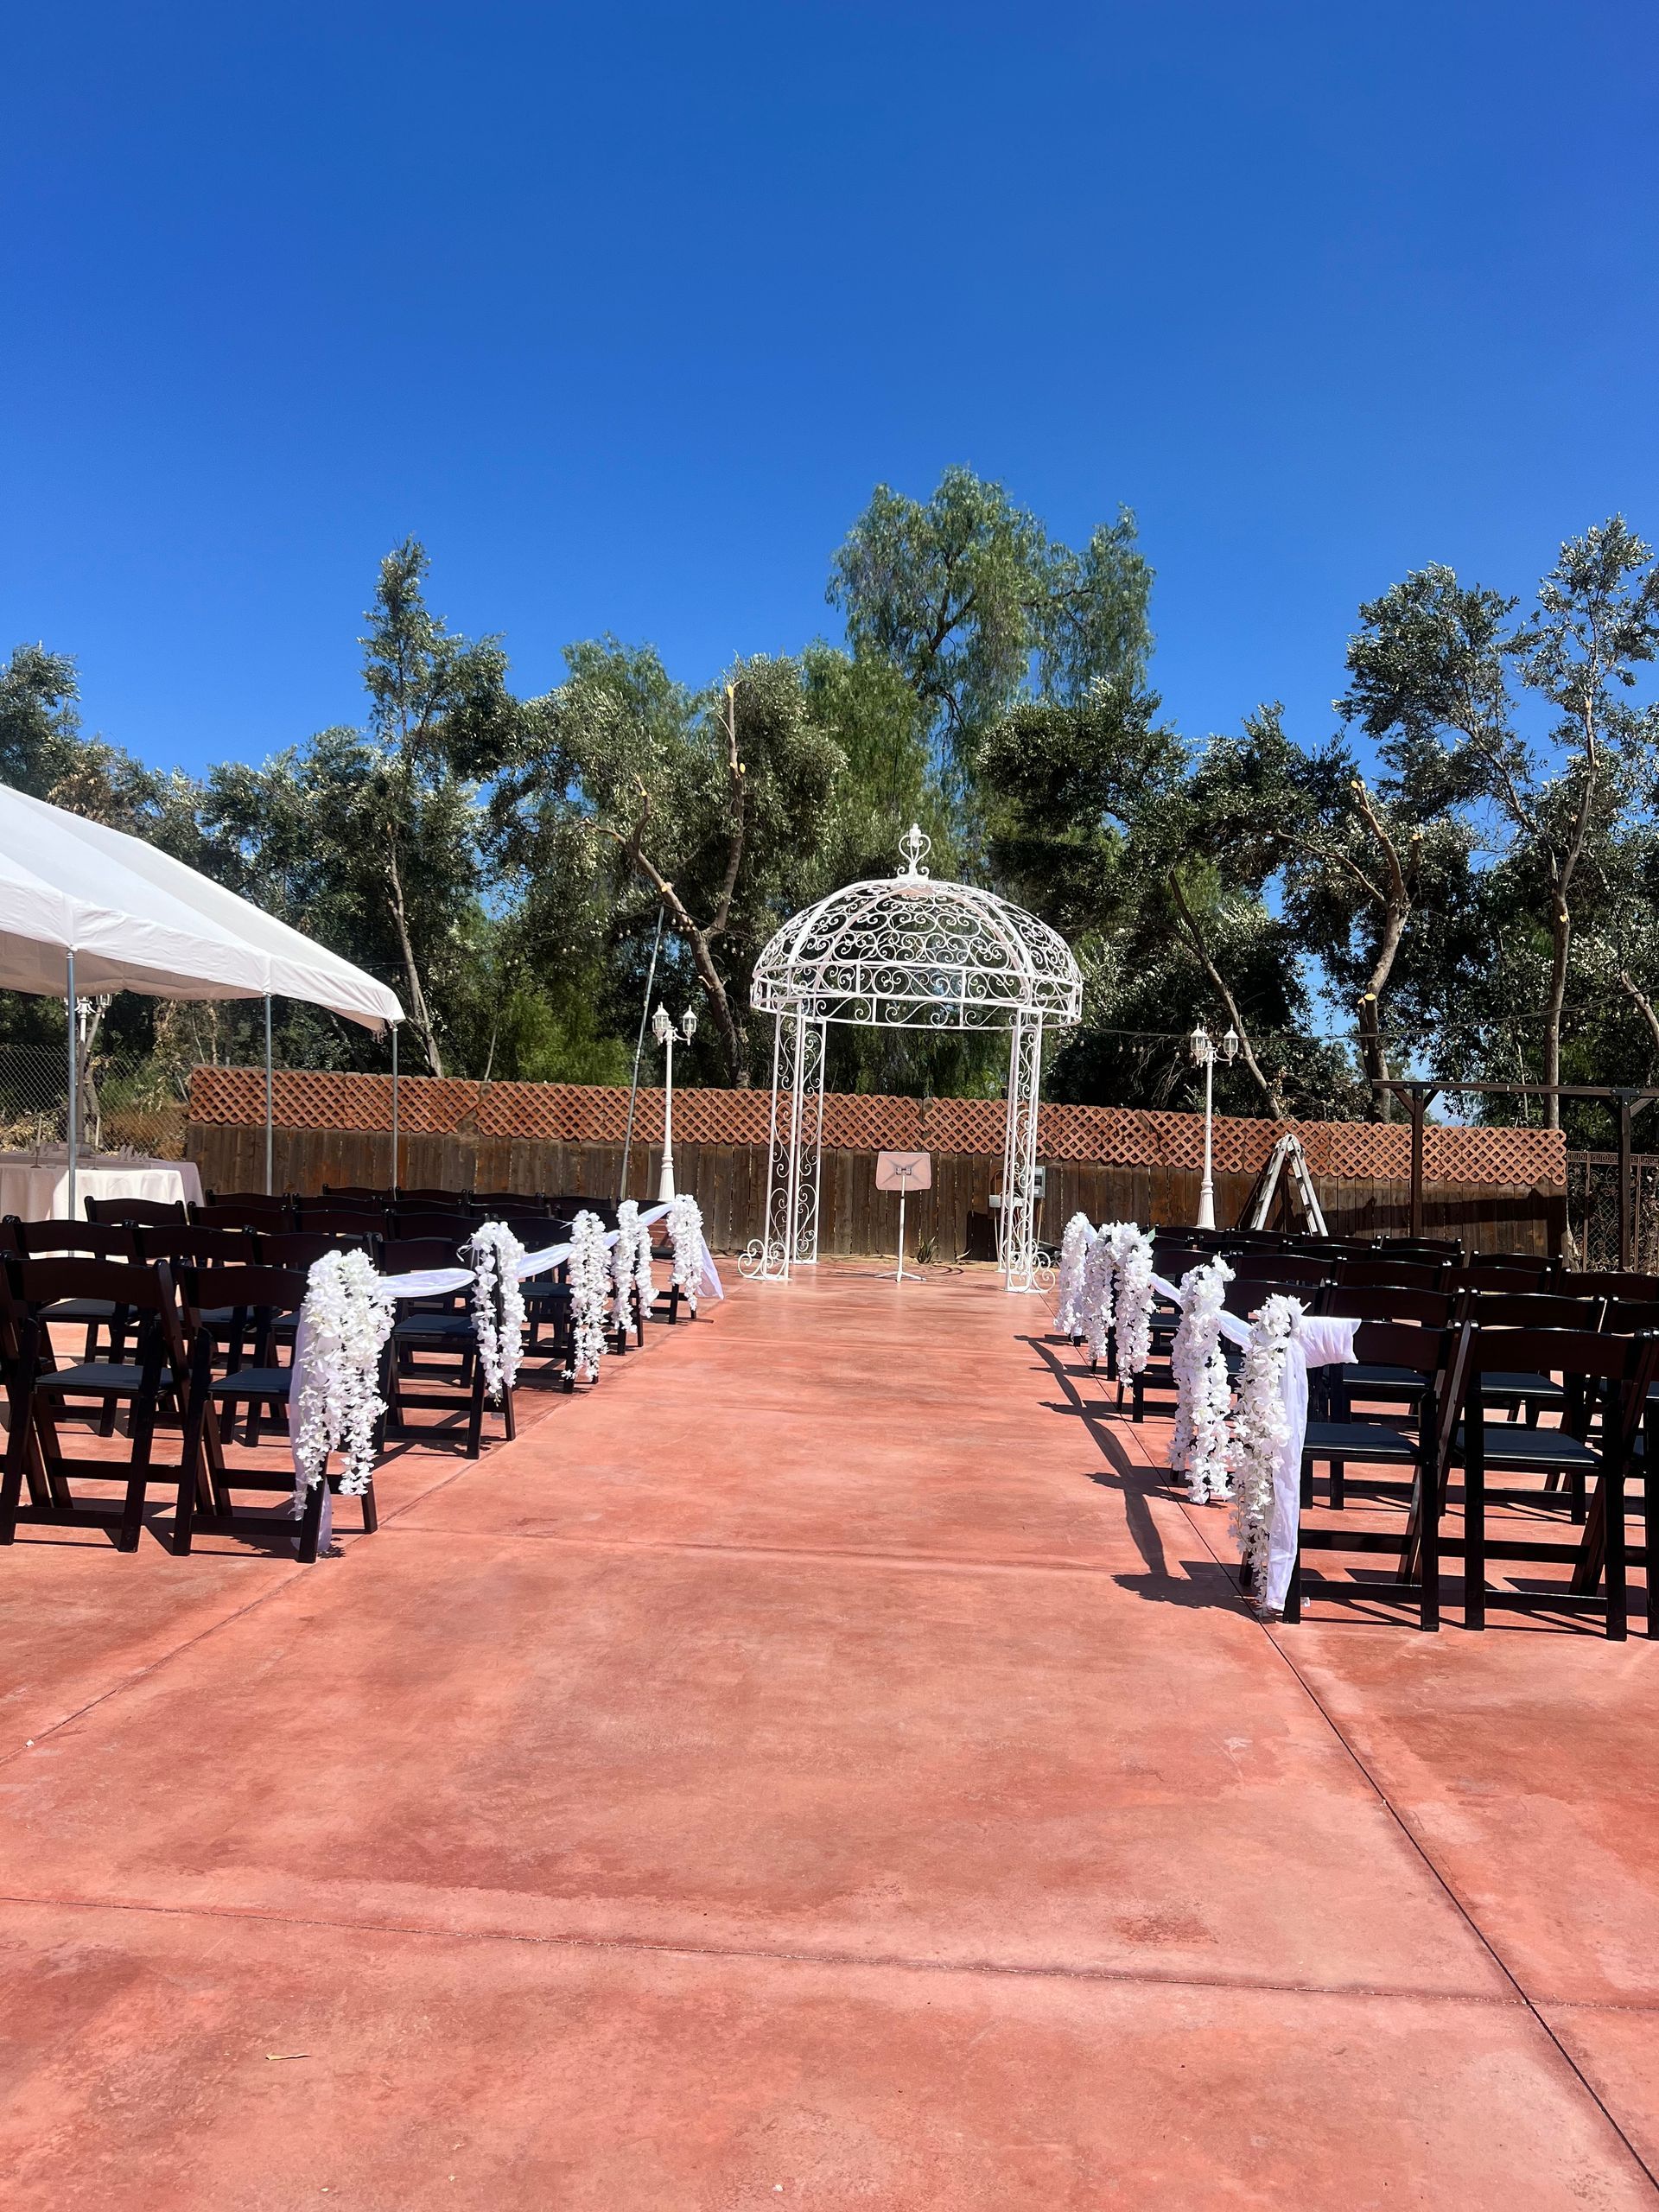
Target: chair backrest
[34,1283]
[260,1201]
[508,1202]
[1497,1309]
[1277,1267]
[358,1194]
[243,1213]
[1605,1283]
[99,1242]
[257,1290]
[124,1212]
[434,1201]
[403,1256]
[571,1205]
[358,1221]
[1366,1275]
[457,1227]
[1477,1275]
[303,1248]
[1630,1316]
[198,1247]
[1577,1356]
[1426,1309]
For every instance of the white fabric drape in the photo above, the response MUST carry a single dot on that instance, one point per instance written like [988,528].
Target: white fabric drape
[1316,1341]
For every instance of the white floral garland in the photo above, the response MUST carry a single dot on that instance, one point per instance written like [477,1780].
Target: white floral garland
[589,1279]
[623,1262]
[1258,1430]
[1099,1280]
[1069,1282]
[494,1258]
[644,1285]
[1132,1263]
[685,1234]
[347,1316]
[1203,1392]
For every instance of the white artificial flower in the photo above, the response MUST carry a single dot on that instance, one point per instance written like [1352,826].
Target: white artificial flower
[1260,1431]
[589,1280]
[1099,1279]
[347,1316]
[1202,1392]
[685,1234]
[1069,1284]
[494,1256]
[1132,1265]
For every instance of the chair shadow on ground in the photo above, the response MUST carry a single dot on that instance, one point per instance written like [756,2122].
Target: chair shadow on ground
[1203,1584]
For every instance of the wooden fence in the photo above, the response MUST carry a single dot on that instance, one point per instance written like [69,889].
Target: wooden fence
[952,1219]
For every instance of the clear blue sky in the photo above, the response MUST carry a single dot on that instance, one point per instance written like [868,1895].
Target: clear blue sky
[625,309]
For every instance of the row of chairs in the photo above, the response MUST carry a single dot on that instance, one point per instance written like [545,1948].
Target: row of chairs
[185,1323]
[1449,1357]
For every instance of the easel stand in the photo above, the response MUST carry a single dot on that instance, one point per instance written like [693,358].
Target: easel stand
[901,1272]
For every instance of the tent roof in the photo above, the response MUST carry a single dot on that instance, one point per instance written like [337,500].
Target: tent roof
[136,919]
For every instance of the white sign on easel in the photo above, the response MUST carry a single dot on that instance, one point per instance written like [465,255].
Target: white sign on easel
[904,1172]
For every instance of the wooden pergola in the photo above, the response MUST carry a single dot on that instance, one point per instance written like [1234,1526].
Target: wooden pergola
[1419,1094]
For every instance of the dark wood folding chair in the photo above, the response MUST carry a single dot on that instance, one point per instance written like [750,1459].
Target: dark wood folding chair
[241,1212]
[442,1327]
[131,1213]
[37,1391]
[261,1298]
[1438,1357]
[41,1240]
[1615,1372]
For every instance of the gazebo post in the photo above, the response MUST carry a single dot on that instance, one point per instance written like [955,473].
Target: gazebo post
[393,1026]
[774,1229]
[1019,1247]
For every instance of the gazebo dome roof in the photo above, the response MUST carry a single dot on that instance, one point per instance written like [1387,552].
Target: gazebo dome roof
[908,952]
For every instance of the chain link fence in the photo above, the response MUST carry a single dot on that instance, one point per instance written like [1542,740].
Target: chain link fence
[126,1104]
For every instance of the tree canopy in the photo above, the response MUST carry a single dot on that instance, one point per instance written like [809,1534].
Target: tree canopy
[1457,875]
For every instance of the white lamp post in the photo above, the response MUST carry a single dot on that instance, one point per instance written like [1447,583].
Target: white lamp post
[668,1036]
[1205,1050]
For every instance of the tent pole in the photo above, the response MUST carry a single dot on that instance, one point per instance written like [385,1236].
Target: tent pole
[394,1110]
[268,1112]
[74,1083]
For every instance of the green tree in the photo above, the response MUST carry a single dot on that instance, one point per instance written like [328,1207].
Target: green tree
[973,604]
[712,808]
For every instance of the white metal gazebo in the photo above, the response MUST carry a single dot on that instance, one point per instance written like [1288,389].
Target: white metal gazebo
[905,952]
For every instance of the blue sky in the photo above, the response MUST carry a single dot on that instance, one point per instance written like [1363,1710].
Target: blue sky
[624,310]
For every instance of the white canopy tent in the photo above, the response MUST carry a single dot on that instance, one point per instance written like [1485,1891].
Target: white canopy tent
[85,910]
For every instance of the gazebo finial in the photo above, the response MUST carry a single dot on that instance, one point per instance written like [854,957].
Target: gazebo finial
[915,846]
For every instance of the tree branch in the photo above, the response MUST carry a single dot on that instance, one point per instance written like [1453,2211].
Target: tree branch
[1269,1092]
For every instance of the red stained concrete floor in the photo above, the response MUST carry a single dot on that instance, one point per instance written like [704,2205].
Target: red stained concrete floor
[822,1765]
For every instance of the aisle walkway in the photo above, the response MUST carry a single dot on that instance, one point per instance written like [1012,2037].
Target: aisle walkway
[817,1766]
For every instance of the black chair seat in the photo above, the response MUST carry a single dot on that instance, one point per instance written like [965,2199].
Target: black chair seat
[1372,1440]
[435,1328]
[1540,1387]
[80,1309]
[252,1382]
[93,1374]
[1373,1375]
[1535,1451]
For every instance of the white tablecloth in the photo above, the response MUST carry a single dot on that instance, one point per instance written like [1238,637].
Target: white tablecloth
[37,1192]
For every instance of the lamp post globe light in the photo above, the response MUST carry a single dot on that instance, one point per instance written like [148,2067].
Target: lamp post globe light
[1205,1050]
[668,1036]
